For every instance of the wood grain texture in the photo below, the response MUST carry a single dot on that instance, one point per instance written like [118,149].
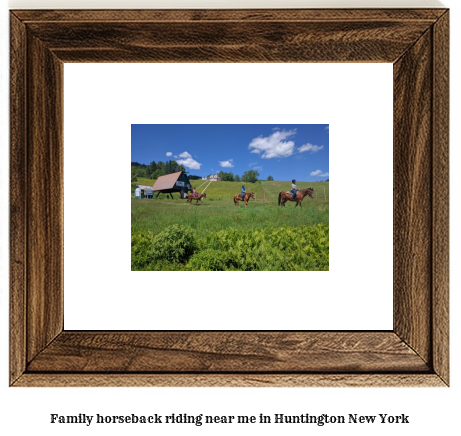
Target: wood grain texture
[230,380]
[229,35]
[414,354]
[44,196]
[241,352]
[244,41]
[413,196]
[18,211]
[441,195]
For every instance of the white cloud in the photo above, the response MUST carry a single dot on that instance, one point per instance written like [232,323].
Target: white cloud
[319,173]
[258,168]
[310,147]
[169,153]
[252,163]
[227,163]
[327,127]
[274,145]
[188,161]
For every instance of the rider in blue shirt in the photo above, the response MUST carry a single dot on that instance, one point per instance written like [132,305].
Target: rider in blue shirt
[243,192]
[294,188]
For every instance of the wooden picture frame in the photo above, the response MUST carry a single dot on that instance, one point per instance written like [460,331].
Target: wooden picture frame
[414,353]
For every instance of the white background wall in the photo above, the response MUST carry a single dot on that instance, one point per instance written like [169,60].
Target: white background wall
[430,410]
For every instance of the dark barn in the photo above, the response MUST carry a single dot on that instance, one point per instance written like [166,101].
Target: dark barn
[175,182]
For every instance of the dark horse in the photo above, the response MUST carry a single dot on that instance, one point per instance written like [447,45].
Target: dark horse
[247,196]
[191,197]
[285,196]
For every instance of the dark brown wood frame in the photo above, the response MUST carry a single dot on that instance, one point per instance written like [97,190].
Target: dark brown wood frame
[415,353]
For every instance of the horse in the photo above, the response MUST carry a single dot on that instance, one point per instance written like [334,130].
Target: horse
[247,196]
[191,197]
[285,196]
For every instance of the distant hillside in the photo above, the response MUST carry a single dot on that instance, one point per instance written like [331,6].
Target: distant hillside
[144,181]
[265,191]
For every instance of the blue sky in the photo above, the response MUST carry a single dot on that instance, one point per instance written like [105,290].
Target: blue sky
[284,151]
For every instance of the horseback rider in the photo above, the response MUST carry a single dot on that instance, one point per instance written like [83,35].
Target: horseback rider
[243,192]
[294,189]
[194,192]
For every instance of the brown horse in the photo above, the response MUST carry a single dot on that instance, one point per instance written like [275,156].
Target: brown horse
[247,196]
[191,197]
[285,196]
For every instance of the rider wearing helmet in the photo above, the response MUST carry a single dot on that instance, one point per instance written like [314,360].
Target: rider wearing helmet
[243,192]
[294,189]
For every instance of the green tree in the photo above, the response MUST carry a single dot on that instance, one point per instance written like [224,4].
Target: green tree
[139,171]
[134,174]
[236,178]
[161,169]
[156,174]
[152,167]
[250,176]
[226,177]
[270,179]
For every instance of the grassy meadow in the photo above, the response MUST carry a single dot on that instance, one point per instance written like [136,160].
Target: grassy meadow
[217,235]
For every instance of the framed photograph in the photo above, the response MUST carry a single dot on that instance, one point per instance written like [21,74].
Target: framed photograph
[414,353]
[267,165]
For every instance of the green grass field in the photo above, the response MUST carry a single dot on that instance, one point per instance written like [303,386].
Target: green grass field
[218,218]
